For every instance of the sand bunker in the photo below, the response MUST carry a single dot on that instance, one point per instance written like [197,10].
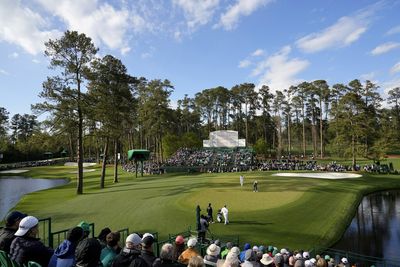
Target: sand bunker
[85,170]
[14,171]
[74,164]
[319,175]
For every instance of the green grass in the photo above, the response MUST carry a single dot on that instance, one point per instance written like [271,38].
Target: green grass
[291,212]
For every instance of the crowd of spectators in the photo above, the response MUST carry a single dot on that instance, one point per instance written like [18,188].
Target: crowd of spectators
[19,242]
[35,163]
[190,157]
[212,160]
[149,167]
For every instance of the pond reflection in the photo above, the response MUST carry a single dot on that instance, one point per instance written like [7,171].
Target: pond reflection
[12,188]
[375,231]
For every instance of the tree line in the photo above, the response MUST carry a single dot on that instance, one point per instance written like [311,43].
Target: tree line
[97,109]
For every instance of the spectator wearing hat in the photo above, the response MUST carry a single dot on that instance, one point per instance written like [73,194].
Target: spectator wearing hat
[225,252]
[147,249]
[243,252]
[196,261]
[7,233]
[278,259]
[87,253]
[86,228]
[249,258]
[299,260]
[26,246]
[321,262]
[130,254]
[189,252]
[179,246]
[232,259]
[331,262]
[267,260]
[212,255]
[64,255]
[109,253]
[166,258]
[344,262]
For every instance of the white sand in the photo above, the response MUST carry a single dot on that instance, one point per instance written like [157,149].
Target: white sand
[14,171]
[85,170]
[74,164]
[319,175]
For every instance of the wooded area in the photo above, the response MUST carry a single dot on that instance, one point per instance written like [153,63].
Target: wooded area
[96,108]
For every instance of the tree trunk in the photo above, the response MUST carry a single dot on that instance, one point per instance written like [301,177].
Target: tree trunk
[79,189]
[353,151]
[71,148]
[321,132]
[103,166]
[97,151]
[116,161]
[304,135]
[289,137]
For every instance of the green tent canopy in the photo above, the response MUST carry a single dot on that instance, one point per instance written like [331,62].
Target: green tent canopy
[138,154]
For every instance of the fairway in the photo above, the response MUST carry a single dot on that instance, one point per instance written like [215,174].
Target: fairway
[286,212]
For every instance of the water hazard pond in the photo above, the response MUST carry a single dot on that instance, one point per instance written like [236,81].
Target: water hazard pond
[375,229]
[12,188]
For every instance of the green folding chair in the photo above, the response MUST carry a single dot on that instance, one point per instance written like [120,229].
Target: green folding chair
[33,264]
[4,259]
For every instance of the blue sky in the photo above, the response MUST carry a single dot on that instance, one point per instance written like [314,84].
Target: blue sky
[199,44]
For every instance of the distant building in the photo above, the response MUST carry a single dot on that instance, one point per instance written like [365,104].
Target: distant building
[224,138]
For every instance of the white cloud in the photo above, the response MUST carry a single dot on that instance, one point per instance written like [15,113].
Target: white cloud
[146,55]
[178,35]
[3,72]
[278,71]
[244,63]
[368,76]
[389,85]
[230,18]
[384,48]
[36,61]
[395,68]
[13,55]
[24,27]
[393,30]
[197,13]
[344,32]
[258,52]
[104,23]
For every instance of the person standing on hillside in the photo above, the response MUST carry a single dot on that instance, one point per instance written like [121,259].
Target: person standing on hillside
[210,213]
[225,211]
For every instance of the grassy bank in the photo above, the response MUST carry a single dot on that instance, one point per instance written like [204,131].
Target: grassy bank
[292,212]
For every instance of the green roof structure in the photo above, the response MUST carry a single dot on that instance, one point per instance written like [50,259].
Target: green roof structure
[138,155]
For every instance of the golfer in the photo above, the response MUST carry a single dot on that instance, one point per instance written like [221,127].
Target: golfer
[224,211]
[255,186]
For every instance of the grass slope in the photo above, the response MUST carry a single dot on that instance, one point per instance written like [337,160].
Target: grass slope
[291,212]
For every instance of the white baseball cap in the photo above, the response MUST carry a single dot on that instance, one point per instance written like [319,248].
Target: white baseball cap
[26,224]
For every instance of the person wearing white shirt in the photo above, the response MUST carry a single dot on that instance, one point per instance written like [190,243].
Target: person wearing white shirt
[224,211]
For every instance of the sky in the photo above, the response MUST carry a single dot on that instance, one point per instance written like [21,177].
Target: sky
[200,44]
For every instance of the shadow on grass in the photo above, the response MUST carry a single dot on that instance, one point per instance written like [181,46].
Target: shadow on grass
[242,222]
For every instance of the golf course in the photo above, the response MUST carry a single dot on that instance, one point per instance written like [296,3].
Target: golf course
[293,212]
